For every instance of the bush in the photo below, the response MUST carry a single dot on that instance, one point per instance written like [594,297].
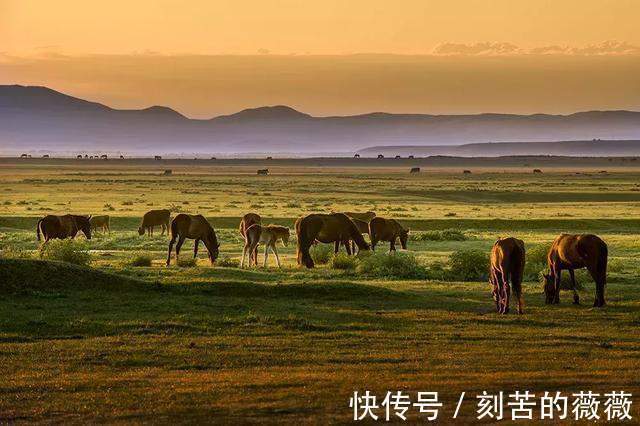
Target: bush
[187,262]
[469,265]
[393,265]
[321,253]
[70,251]
[343,261]
[536,262]
[443,235]
[140,259]
[228,262]
[538,253]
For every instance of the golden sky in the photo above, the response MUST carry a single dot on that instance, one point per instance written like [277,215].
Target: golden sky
[212,57]
[307,26]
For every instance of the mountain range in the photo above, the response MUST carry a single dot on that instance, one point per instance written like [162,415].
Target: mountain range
[41,119]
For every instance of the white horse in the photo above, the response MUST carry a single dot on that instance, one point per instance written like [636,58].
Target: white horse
[269,236]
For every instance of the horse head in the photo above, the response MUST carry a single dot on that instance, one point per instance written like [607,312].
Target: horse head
[549,288]
[84,224]
[404,236]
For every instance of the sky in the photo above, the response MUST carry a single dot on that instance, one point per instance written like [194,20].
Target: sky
[327,57]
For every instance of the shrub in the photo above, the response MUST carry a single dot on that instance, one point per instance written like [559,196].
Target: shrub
[536,262]
[343,261]
[321,253]
[140,259]
[70,251]
[443,235]
[469,265]
[228,262]
[538,253]
[393,265]
[187,262]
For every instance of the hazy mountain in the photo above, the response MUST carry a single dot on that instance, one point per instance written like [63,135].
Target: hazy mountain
[38,118]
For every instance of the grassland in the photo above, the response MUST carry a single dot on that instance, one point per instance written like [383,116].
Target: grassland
[141,344]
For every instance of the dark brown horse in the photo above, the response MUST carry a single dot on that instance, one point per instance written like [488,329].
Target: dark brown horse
[362,226]
[507,266]
[326,228]
[61,227]
[387,230]
[195,227]
[245,223]
[575,252]
[154,218]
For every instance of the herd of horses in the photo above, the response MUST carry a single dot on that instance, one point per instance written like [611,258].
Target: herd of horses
[507,260]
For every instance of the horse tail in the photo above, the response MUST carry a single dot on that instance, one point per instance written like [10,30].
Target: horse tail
[38,229]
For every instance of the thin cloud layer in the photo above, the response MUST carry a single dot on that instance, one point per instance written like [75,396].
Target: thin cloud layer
[610,47]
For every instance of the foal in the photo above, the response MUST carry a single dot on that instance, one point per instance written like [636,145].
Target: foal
[269,235]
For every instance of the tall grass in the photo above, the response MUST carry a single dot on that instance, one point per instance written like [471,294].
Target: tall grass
[68,250]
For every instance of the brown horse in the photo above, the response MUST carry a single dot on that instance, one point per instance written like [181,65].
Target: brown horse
[100,222]
[326,228]
[507,265]
[62,227]
[575,252]
[362,226]
[246,222]
[387,230]
[269,236]
[154,218]
[195,227]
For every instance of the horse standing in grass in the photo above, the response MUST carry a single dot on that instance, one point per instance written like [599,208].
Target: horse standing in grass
[195,227]
[100,222]
[154,218]
[507,266]
[61,227]
[326,228]
[387,230]
[269,236]
[575,252]
[246,221]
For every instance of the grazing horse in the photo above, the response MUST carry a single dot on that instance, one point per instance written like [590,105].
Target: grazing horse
[366,216]
[362,226]
[100,222]
[269,235]
[507,265]
[246,221]
[387,230]
[62,227]
[154,218]
[575,252]
[326,228]
[195,227]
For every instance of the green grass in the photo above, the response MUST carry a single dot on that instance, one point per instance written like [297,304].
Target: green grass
[118,343]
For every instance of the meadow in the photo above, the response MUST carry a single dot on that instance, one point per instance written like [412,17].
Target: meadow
[116,342]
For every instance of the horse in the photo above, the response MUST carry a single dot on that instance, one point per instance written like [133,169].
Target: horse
[387,230]
[195,227]
[575,252]
[154,218]
[362,226]
[246,221]
[269,235]
[61,227]
[366,216]
[326,228]
[100,222]
[507,265]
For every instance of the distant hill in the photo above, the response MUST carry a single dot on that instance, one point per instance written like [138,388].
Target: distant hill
[38,118]
[592,148]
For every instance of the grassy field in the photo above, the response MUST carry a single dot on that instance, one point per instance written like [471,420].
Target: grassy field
[114,342]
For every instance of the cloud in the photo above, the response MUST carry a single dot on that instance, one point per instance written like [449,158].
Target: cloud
[611,47]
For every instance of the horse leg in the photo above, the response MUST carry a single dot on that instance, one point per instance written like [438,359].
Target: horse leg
[266,254]
[600,280]
[173,240]
[336,247]
[179,246]
[557,273]
[392,246]
[244,253]
[353,247]
[347,246]
[507,293]
[576,296]
[495,291]
[275,252]
[195,248]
